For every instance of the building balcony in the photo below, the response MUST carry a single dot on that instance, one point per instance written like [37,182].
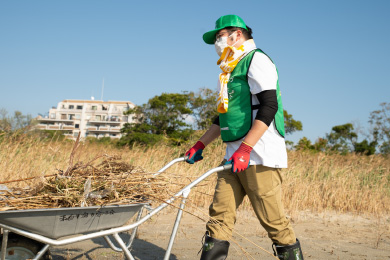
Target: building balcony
[55,127]
[55,120]
[88,110]
[67,110]
[103,112]
[94,121]
[104,129]
[101,135]
[46,119]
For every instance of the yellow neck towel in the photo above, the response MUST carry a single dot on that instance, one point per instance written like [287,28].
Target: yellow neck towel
[230,57]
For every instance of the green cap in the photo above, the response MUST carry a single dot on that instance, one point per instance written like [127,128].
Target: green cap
[223,22]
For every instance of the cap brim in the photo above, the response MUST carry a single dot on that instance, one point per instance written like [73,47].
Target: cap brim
[209,37]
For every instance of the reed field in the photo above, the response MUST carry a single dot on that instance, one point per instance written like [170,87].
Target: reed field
[314,182]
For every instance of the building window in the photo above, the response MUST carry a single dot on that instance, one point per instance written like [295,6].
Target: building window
[79,107]
[98,118]
[63,116]
[77,116]
[71,117]
[71,106]
[114,119]
[104,107]
[77,126]
[94,107]
[52,116]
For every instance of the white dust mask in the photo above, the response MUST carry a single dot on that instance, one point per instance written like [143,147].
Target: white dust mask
[221,43]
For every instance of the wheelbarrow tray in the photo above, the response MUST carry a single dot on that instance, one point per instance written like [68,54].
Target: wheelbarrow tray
[59,222]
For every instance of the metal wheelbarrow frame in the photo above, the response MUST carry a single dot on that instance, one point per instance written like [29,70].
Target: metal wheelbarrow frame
[51,240]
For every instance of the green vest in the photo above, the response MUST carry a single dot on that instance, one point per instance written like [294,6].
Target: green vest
[236,123]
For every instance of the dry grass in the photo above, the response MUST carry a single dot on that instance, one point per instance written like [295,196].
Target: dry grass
[315,182]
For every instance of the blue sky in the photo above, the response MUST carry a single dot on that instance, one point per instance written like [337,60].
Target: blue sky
[332,56]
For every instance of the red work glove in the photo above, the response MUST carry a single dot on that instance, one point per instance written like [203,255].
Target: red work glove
[195,153]
[240,158]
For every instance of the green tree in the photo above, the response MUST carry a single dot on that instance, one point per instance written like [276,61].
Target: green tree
[304,144]
[365,147]
[21,121]
[5,121]
[380,124]
[290,124]
[204,106]
[321,145]
[163,117]
[342,138]
[16,122]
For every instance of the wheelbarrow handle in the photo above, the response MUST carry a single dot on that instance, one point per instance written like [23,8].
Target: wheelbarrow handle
[204,176]
[227,166]
[180,159]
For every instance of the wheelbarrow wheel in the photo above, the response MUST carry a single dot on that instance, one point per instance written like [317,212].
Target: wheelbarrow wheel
[21,248]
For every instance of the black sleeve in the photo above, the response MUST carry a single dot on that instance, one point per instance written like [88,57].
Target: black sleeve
[268,106]
[216,121]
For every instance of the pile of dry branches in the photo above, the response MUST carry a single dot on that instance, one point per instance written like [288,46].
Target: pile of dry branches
[111,181]
[102,181]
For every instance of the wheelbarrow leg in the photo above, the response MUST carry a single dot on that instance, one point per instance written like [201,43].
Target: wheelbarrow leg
[41,252]
[132,236]
[134,232]
[4,244]
[176,225]
[123,246]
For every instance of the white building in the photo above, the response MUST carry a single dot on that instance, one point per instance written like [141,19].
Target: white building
[89,117]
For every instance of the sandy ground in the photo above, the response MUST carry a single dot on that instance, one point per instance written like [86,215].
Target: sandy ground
[322,236]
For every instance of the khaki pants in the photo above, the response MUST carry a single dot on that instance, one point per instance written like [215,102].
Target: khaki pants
[263,187]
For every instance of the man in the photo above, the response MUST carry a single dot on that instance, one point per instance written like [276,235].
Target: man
[251,123]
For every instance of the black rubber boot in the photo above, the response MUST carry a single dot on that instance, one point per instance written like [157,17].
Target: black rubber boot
[214,249]
[290,252]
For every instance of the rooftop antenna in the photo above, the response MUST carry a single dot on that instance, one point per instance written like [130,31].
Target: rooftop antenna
[102,90]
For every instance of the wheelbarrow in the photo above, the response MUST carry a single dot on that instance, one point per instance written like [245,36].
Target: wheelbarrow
[38,229]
